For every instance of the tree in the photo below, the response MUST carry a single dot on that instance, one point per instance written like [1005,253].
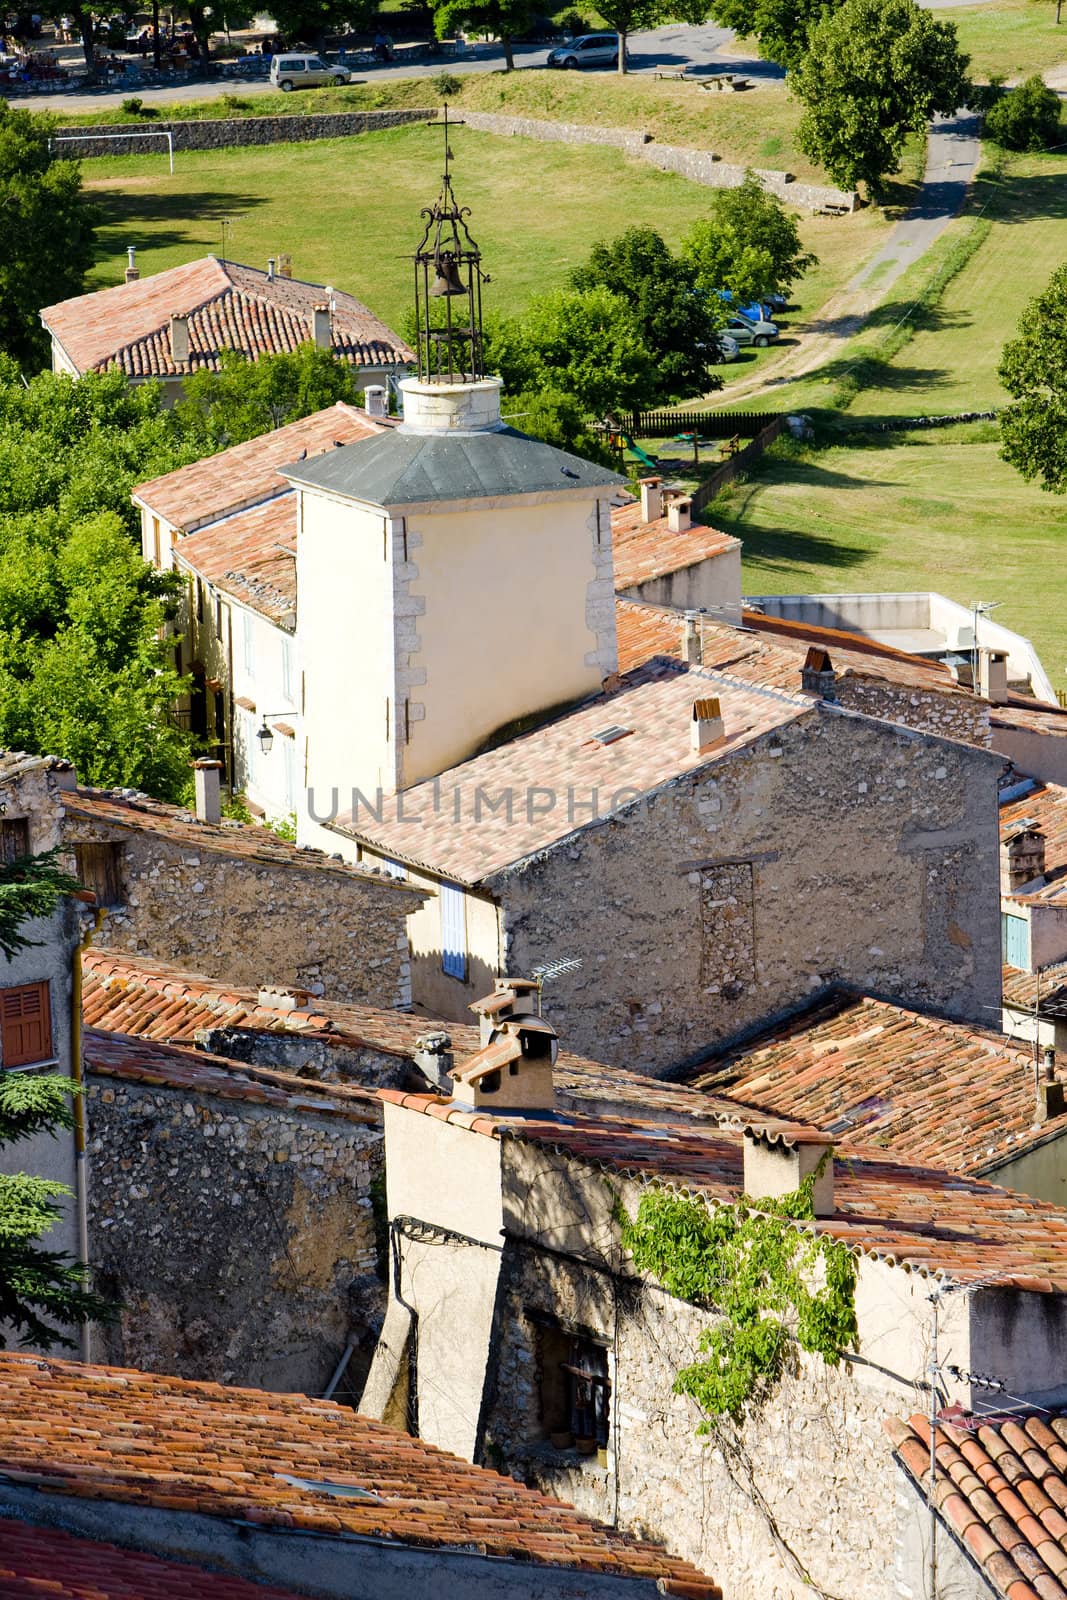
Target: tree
[1026,118]
[559,420]
[781,26]
[30,887]
[874,71]
[506,20]
[585,343]
[677,323]
[246,398]
[634,16]
[1033,369]
[749,244]
[46,241]
[311,21]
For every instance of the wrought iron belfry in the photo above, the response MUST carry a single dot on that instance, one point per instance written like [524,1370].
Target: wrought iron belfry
[448,288]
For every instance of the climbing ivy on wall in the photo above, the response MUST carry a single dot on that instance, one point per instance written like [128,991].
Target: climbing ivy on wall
[776,1286]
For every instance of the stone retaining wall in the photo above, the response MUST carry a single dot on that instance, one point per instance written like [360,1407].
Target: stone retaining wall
[699,166]
[219,133]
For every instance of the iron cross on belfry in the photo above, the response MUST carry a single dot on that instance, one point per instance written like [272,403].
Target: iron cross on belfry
[446,124]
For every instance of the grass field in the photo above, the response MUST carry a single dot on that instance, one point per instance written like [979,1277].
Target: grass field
[929,510]
[757,128]
[346,210]
[1011,37]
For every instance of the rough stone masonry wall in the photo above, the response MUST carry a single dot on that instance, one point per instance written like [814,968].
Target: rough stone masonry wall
[240,1238]
[216,133]
[811,1473]
[872,860]
[253,922]
[950,716]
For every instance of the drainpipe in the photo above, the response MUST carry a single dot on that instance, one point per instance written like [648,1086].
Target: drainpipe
[81,1182]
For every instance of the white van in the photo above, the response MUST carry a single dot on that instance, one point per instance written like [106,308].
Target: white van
[304,72]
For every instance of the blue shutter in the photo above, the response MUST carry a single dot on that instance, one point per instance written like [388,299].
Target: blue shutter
[453,931]
[1016,939]
[393,869]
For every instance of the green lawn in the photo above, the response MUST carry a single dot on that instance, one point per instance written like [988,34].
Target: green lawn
[1011,37]
[347,210]
[927,510]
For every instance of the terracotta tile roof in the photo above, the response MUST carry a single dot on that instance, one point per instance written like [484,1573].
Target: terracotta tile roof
[446,823]
[148,999]
[1043,807]
[929,1090]
[1032,716]
[1001,1487]
[127,809]
[918,1217]
[1045,990]
[140,1439]
[646,550]
[248,473]
[47,1564]
[250,555]
[770,653]
[120,1056]
[229,306]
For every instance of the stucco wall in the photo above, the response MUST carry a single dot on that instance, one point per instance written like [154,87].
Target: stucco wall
[254,922]
[713,586]
[1039,754]
[239,1237]
[872,858]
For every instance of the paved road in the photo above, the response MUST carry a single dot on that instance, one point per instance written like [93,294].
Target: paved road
[951,160]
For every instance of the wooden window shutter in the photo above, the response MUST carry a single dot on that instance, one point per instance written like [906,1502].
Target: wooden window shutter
[453,930]
[25,1025]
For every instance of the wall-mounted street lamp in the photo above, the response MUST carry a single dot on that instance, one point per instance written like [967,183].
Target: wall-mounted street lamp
[265,735]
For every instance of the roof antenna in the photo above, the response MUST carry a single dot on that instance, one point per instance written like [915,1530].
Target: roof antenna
[548,970]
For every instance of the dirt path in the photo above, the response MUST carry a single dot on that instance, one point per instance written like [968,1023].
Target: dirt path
[951,160]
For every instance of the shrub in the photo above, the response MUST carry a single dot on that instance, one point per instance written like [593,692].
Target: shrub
[447,85]
[233,102]
[1026,118]
[572,23]
[133,106]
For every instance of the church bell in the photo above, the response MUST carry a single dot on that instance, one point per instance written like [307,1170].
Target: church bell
[447,280]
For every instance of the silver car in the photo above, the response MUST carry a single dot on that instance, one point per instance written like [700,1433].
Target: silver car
[587,50]
[304,72]
[744,331]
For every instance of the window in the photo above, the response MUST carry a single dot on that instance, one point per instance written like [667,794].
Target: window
[218,616]
[1016,940]
[393,869]
[14,839]
[25,1025]
[453,931]
[249,642]
[199,601]
[100,869]
[575,1387]
[287,671]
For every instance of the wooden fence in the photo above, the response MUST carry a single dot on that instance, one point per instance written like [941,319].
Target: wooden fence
[708,424]
[738,463]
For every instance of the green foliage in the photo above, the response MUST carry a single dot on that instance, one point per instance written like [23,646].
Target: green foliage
[310,21]
[1026,118]
[30,886]
[874,71]
[1033,369]
[447,85]
[42,1292]
[572,24]
[635,16]
[781,26]
[676,323]
[46,240]
[558,419]
[749,244]
[246,398]
[775,1283]
[506,19]
[583,342]
[284,827]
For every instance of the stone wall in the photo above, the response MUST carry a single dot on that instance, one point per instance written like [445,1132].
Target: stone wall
[699,166]
[253,922]
[832,814]
[949,716]
[239,1237]
[216,133]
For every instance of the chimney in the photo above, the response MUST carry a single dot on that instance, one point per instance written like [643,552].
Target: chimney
[1022,859]
[1050,1096]
[776,1164]
[206,779]
[993,676]
[707,728]
[511,997]
[374,401]
[270,269]
[322,325]
[63,772]
[817,675]
[285,266]
[132,274]
[282,997]
[651,499]
[692,639]
[434,1059]
[680,514]
[179,338]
